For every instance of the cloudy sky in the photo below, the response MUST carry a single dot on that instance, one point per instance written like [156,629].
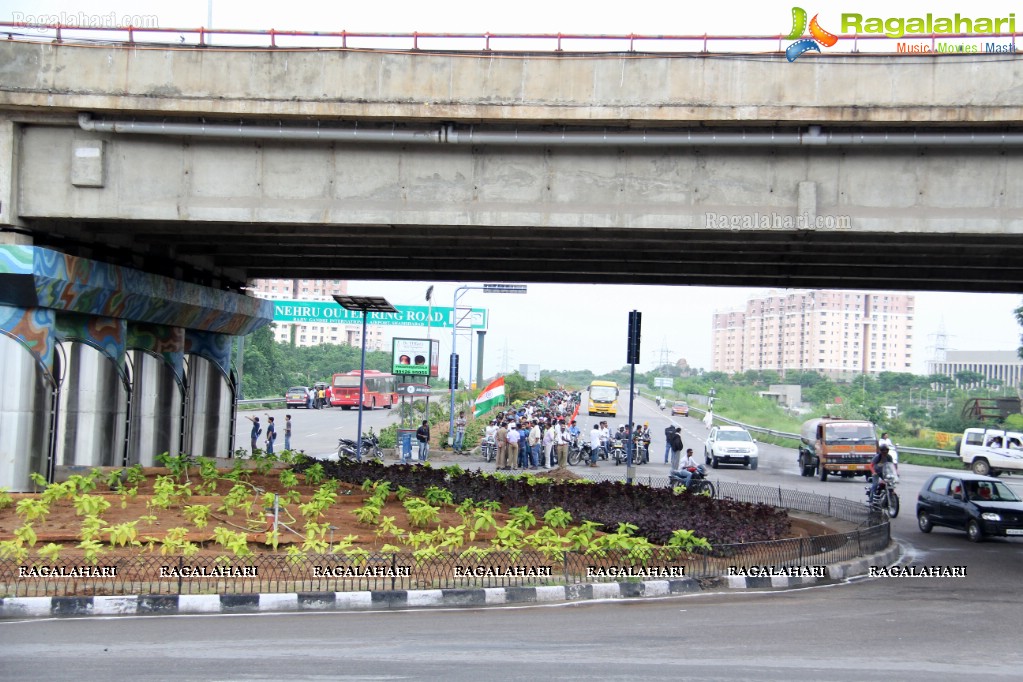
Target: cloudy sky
[591,322]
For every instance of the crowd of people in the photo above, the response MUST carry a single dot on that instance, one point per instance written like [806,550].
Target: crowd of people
[536,434]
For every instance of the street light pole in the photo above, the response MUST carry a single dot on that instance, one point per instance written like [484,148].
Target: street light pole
[492,288]
[365,304]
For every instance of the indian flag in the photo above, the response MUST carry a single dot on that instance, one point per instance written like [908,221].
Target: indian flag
[491,397]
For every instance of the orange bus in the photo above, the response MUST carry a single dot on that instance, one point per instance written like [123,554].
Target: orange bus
[380,390]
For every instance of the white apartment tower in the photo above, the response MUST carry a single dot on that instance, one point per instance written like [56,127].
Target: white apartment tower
[837,333]
[313,334]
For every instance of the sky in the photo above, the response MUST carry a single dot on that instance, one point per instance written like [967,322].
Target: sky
[676,320]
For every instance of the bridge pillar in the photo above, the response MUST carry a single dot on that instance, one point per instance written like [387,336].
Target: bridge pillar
[108,366]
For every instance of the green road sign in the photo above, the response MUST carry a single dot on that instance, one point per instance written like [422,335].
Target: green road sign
[329,312]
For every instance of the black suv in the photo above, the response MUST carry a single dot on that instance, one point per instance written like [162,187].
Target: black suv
[981,505]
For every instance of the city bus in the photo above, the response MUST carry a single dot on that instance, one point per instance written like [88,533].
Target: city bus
[603,398]
[380,390]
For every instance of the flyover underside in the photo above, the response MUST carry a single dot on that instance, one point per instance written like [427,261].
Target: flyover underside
[945,217]
[798,259]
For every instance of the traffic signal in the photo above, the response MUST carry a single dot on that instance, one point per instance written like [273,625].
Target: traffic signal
[635,322]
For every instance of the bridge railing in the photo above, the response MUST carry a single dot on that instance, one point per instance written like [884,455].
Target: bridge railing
[147,31]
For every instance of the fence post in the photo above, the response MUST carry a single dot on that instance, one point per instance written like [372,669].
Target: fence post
[181,566]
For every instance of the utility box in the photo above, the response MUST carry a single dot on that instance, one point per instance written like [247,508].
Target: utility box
[405,437]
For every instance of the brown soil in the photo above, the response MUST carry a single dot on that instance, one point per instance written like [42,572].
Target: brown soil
[62,524]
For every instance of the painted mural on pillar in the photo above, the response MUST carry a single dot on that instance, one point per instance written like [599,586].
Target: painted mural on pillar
[167,342]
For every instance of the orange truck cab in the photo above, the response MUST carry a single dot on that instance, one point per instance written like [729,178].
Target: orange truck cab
[841,447]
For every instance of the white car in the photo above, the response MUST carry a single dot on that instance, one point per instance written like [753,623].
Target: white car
[730,445]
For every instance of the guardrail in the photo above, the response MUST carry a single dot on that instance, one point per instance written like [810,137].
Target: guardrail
[259,401]
[795,436]
[145,30]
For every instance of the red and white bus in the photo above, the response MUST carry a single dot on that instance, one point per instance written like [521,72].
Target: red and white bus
[379,391]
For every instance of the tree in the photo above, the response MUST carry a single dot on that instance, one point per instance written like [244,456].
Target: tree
[968,378]
[1019,321]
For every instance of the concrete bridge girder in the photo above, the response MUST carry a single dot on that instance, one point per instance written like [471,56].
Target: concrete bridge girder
[262,207]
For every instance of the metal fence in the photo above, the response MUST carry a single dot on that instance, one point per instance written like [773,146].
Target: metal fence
[211,573]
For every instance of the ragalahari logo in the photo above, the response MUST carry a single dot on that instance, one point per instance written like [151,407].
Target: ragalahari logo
[802,45]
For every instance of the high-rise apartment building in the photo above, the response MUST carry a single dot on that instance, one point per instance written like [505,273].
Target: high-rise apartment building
[313,334]
[837,333]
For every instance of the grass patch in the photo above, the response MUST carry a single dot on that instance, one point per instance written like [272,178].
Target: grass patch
[930,461]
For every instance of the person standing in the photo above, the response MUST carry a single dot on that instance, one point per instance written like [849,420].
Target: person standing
[460,423]
[423,436]
[271,435]
[676,448]
[533,440]
[524,445]
[595,444]
[669,431]
[287,432]
[501,438]
[564,438]
[513,436]
[254,434]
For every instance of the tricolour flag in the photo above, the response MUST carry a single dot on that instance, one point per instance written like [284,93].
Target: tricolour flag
[490,397]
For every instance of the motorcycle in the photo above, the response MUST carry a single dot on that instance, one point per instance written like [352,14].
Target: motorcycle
[697,484]
[617,450]
[579,452]
[885,498]
[370,448]
[488,448]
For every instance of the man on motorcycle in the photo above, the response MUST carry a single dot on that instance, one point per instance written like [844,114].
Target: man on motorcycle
[686,468]
[877,466]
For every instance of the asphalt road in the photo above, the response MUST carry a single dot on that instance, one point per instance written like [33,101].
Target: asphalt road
[866,629]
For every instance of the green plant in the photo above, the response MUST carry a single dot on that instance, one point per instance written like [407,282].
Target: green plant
[84,484]
[426,554]
[166,492]
[91,527]
[177,464]
[92,550]
[236,542]
[134,475]
[420,512]
[687,541]
[314,474]
[51,552]
[30,509]
[358,555]
[288,478]
[556,517]
[508,536]
[128,494]
[198,514]
[174,542]
[90,505]
[368,513]
[57,492]
[582,536]
[5,498]
[438,496]
[26,534]
[239,498]
[522,516]
[13,549]
[123,534]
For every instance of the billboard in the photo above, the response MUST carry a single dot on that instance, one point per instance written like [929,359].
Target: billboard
[413,357]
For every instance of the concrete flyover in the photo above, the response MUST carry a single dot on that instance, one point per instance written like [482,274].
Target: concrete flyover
[217,165]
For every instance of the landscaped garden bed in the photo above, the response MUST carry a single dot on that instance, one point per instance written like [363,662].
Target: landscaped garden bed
[337,526]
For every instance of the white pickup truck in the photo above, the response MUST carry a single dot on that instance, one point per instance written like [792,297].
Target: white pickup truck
[990,452]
